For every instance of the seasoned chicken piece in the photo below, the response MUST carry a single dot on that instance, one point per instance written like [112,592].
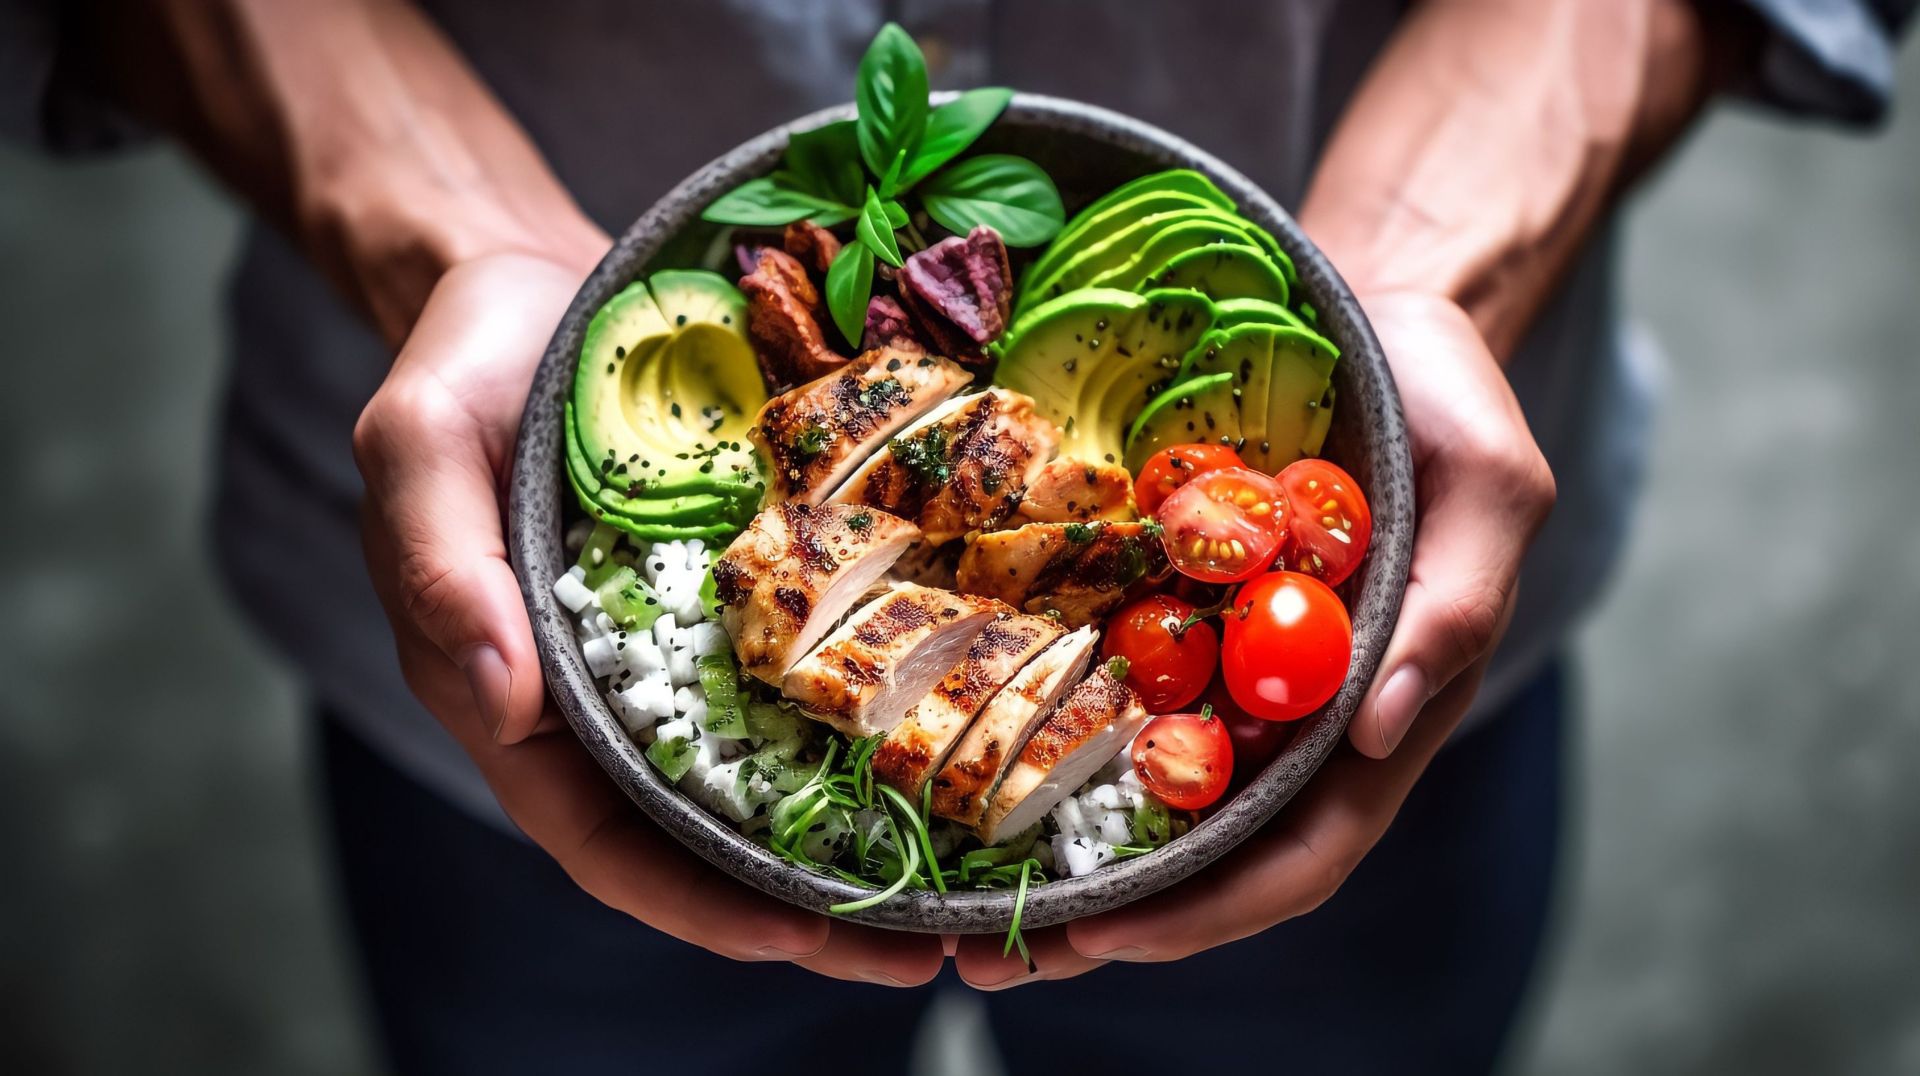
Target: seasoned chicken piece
[791,574]
[961,468]
[1074,490]
[815,435]
[1080,570]
[873,669]
[918,746]
[964,786]
[1087,729]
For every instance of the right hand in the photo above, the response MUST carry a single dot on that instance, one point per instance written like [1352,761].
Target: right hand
[435,446]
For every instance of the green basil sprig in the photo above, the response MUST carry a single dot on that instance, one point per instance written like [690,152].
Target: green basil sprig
[859,169]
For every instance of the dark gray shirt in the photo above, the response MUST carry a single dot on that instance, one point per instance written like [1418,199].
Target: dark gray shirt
[625,97]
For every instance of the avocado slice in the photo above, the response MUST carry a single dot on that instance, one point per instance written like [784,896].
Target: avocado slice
[1100,264]
[1206,409]
[1087,230]
[1230,312]
[685,508]
[1180,180]
[1286,401]
[1160,246]
[666,390]
[1223,271]
[1092,359]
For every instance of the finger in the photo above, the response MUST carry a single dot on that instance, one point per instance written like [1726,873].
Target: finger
[1291,867]
[984,962]
[885,957]
[427,448]
[1484,491]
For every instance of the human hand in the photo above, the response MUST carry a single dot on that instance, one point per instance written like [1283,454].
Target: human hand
[1482,491]
[435,446]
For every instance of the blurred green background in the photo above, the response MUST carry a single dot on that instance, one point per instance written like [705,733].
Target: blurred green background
[1744,869]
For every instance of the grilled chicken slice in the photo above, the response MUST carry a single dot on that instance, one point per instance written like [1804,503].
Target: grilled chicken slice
[964,786]
[886,657]
[1078,737]
[1074,490]
[790,575]
[918,746]
[1080,570]
[961,468]
[815,435]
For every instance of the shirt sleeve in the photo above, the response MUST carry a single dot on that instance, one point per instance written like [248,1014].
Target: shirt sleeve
[1828,58]
[45,99]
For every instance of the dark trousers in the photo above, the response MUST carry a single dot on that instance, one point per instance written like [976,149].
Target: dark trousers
[481,957]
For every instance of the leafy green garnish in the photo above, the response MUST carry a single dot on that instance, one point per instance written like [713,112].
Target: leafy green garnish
[1080,533]
[825,162]
[1009,194]
[892,97]
[925,454]
[849,286]
[771,201]
[810,442]
[876,231]
[951,128]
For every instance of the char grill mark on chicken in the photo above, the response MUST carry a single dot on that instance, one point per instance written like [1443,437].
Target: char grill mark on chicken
[1079,736]
[1082,571]
[964,786]
[814,436]
[786,580]
[962,468]
[875,667]
[919,745]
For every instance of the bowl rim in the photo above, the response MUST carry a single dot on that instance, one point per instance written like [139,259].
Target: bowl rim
[535,545]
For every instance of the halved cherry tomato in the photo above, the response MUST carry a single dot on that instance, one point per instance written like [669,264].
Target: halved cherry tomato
[1328,524]
[1171,468]
[1167,670]
[1224,525]
[1287,646]
[1184,759]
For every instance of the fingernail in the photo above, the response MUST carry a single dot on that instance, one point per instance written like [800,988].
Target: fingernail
[1399,703]
[882,978]
[1124,952]
[492,685]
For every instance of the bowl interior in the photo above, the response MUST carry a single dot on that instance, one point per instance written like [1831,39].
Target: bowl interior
[1088,151]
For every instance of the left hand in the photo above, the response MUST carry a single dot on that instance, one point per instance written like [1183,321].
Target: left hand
[1483,490]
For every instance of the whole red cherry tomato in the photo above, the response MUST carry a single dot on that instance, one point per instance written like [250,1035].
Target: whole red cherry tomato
[1287,646]
[1166,667]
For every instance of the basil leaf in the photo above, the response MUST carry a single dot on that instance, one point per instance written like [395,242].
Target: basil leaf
[896,213]
[951,129]
[892,95]
[849,286]
[1008,194]
[876,232]
[826,162]
[769,200]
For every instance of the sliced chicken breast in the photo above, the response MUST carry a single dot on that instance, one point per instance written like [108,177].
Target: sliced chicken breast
[814,436]
[1074,490]
[791,575]
[964,786]
[1080,570]
[1078,737]
[875,667]
[918,746]
[964,467]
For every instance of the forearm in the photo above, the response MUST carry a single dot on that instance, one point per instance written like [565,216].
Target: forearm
[355,126]
[1492,134]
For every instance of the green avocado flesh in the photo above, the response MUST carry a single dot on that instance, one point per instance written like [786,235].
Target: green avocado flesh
[1202,410]
[1223,271]
[665,391]
[1092,359]
[1230,312]
[1283,376]
[1115,261]
[1087,231]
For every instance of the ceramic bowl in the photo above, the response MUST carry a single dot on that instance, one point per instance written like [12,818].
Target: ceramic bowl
[1088,151]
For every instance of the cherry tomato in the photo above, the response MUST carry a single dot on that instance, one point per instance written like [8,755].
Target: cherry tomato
[1256,741]
[1287,646]
[1224,525]
[1171,468]
[1328,523]
[1184,759]
[1166,671]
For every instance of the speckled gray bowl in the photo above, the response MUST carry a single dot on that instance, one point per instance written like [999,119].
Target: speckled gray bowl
[1088,151]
